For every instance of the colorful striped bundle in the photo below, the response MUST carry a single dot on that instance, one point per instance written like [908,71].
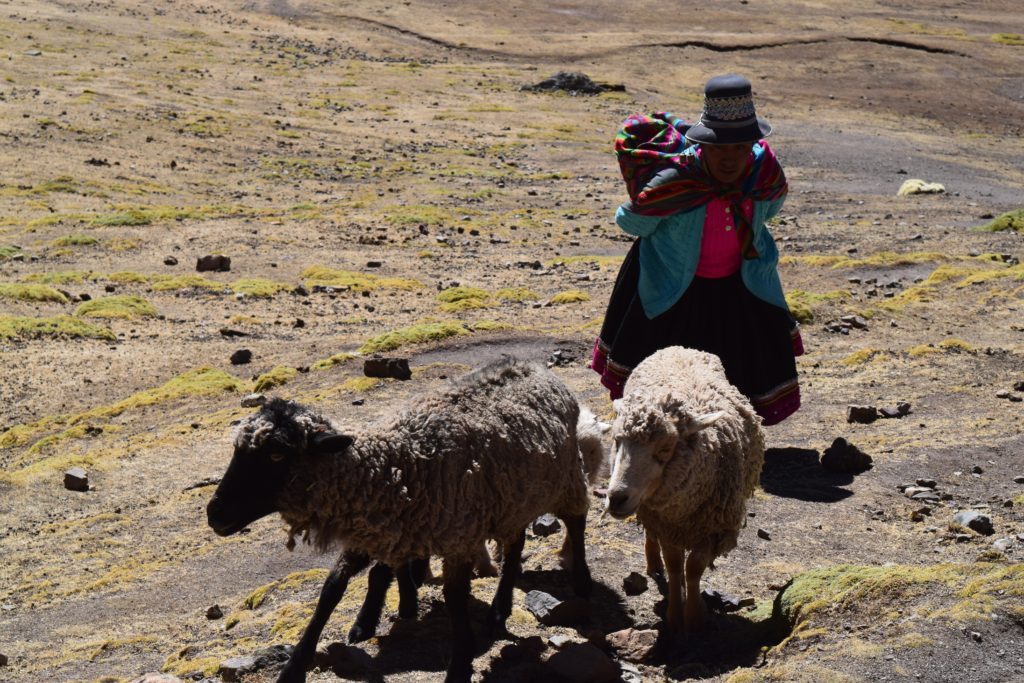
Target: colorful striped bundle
[664,173]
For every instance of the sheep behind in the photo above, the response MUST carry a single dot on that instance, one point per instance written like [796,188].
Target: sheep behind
[689,454]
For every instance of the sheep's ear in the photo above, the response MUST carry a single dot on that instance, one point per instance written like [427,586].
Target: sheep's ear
[699,422]
[330,442]
[604,426]
[617,405]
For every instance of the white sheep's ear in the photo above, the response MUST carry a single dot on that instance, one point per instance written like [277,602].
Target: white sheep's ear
[698,422]
[604,426]
[325,443]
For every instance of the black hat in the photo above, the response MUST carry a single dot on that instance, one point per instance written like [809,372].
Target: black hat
[729,115]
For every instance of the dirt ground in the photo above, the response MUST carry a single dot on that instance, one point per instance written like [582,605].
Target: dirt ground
[359,162]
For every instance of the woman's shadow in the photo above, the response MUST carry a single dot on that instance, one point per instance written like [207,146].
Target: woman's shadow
[798,473]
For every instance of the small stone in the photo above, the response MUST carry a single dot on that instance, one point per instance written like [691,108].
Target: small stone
[156,677]
[397,368]
[374,264]
[214,612]
[927,483]
[346,661]
[1019,479]
[633,645]
[861,414]
[241,357]
[583,663]
[358,401]
[1003,544]
[962,538]
[170,261]
[855,321]
[218,264]
[76,479]
[977,469]
[635,583]
[545,525]
[1003,393]
[231,670]
[1018,386]
[3,659]
[719,601]
[845,458]
[551,611]
[976,637]
[559,641]
[763,533]
[974,520]
[253,400]
[298,324]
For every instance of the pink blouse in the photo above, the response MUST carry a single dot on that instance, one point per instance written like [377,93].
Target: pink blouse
[719,246]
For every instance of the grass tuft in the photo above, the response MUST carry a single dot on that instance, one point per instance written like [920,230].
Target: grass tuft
[116,307]
[31,292]
[1011,220]
[61,327]
[276,377]
[415,334]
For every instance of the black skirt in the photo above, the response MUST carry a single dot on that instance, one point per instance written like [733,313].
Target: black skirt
[756,341]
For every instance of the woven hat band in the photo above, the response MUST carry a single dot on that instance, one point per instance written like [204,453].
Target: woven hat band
[740,107]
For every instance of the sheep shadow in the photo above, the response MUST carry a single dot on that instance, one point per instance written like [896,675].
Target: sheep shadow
[792,472]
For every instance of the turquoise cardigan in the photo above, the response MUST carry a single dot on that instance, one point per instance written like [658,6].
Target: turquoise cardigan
[670,249]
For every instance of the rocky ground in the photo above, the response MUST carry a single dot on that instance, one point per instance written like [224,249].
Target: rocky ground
[382,182]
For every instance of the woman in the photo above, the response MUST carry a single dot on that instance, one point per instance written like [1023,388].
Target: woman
[703,273]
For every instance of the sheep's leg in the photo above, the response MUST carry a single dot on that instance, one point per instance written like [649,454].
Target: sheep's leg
[693,618]
[652,553]
[674,567]
[483,564]
[369,614]
[457,577]
[575,526]
[410,578]
[348,565]
[511,568]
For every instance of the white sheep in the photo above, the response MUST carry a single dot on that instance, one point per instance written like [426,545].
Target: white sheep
[480,460]
[688,453]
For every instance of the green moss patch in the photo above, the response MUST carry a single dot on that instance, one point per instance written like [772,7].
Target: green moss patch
[516,294]
[603,261]
[357,282]
[1008,39]
[802,303]
[415,334]
[1011,220]
[61,326]
[463,298]
[571,296]
[186,282]
[276,377]
[260,288]
[75,240]
[9,251]
[333,361]
[31,292]
[116,307]
[958,593]
[62,277]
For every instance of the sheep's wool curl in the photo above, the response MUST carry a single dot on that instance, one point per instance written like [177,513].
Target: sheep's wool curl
[479,460]
[701,499]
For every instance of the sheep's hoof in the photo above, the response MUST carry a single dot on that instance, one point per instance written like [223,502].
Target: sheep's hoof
[359,633]
[495,623]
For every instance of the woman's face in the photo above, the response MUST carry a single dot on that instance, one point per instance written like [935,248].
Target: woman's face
[727,163]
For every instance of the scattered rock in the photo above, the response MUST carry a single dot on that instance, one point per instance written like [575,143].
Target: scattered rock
[861,414]
[545,525]
[572,82]
[583,663]
[170,261]
[1019,479]
[374,264]
[846,458]
[76,479]
[551,611]
[916,186]
[723,602]
[156,677]
[633,645]
[299,323]
[559,641]
[214,612]
[634,584]
[217,264]
[976,521]
[1003,544]
[253,400]
[763,533]
[230,333]
[235,669]
[855,321]
[928,483]
[976,637]
[241,357]
[93,161]
[398,368]
[3,659]
[977,469]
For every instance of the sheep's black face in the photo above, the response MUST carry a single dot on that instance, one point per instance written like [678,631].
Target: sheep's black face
[249,489]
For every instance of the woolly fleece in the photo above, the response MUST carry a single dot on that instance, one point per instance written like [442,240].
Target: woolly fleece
[479,460]
[700,502]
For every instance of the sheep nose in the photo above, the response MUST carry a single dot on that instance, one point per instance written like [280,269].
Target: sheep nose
[617,501]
